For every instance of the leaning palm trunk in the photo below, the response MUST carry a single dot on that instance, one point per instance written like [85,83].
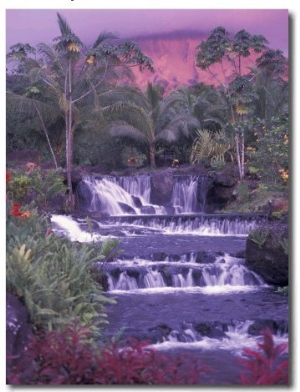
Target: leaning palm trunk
[240,154]
[152,154]
[47,136]
[69,139]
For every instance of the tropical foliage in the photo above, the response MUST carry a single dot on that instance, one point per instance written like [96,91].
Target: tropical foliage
[68,357]
[150,118]
[72,74]
[209,147]
[237,88]
[52,276]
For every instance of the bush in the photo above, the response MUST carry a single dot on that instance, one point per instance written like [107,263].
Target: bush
[262,368]
[69,358]
[45,185]
[212,146]
[51,275]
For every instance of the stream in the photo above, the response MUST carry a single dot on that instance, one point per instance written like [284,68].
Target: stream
[180,281]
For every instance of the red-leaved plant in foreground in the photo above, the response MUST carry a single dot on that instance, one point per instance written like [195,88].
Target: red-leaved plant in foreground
[68,358]
[264,368]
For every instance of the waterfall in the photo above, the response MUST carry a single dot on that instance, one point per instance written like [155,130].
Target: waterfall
[203,225]
[114,195]
[184,197]
[138,186]
[131,195]
[189,193]
[153,279]
[226,271]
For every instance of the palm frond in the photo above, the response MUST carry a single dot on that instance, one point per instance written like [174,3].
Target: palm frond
[123,129]
[102,37]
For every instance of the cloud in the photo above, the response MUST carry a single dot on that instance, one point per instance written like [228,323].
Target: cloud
[34,26]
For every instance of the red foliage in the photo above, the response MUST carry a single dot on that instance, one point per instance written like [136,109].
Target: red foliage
[7,177]
[68,358]
[262,368]
[15,209]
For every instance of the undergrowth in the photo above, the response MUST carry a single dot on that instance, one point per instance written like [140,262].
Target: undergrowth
[68,357]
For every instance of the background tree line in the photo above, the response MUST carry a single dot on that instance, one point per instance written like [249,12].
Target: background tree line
[79,105]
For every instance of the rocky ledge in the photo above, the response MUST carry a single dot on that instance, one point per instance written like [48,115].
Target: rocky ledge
[267,252]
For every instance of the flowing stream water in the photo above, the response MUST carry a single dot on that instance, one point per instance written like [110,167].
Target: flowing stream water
[180,281]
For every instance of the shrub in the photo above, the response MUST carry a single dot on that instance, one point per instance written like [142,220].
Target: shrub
[18,186]
[261,368]
[45,184]
[53,276]
[209,145]
[69,358]
[259,236]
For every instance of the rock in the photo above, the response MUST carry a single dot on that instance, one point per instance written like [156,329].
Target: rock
[126,208]
[161,187]
[269,259]
[136,201]
[18,331]
[150,210]
[259,326]
[215,330]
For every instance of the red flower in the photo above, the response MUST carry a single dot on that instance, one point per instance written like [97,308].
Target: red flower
[7,177]
[15,209]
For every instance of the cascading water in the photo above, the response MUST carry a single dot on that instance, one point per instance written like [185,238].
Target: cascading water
[131,195]
[117,195]
[203,225]
[226,272]
[184,197]
[181,281]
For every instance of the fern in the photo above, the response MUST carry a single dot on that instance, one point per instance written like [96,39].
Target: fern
[259,236]
[53,276]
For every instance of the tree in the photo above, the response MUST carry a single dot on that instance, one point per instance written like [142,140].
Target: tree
[150,118]
[75,73]
[220,48]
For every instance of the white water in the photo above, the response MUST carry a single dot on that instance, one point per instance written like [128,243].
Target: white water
[66,225]
[234,341]
[108,194]
[184,198]
[227,273]
[115,195]
[193,226]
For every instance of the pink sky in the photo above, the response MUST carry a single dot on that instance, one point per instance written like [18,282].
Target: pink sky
[34,26]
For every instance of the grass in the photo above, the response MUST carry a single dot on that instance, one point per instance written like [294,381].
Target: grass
[257,201]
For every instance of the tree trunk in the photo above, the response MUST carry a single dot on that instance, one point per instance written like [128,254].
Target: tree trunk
[238,156]
[152,154]
[70,202]
[242,148]
[47,136]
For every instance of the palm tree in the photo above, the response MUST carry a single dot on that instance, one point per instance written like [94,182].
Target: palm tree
[218,48]
[74,74]
[150,118]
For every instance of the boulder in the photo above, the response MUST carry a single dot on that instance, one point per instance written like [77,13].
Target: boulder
[161,187]
[150,210]
[269,259]
[18,330]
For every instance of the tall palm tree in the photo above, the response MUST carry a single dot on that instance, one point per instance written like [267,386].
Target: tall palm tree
[218,48]
[75,73]
[150,118]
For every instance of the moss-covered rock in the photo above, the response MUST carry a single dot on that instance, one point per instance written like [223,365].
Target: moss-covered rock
[267,253]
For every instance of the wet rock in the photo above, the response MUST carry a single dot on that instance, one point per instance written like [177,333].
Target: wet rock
[269,259]
[215,330]
[259,326]
[126,208]
[148,210]
[161,187]
[18,330]
[159,333]
[136,201]
[170,210]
